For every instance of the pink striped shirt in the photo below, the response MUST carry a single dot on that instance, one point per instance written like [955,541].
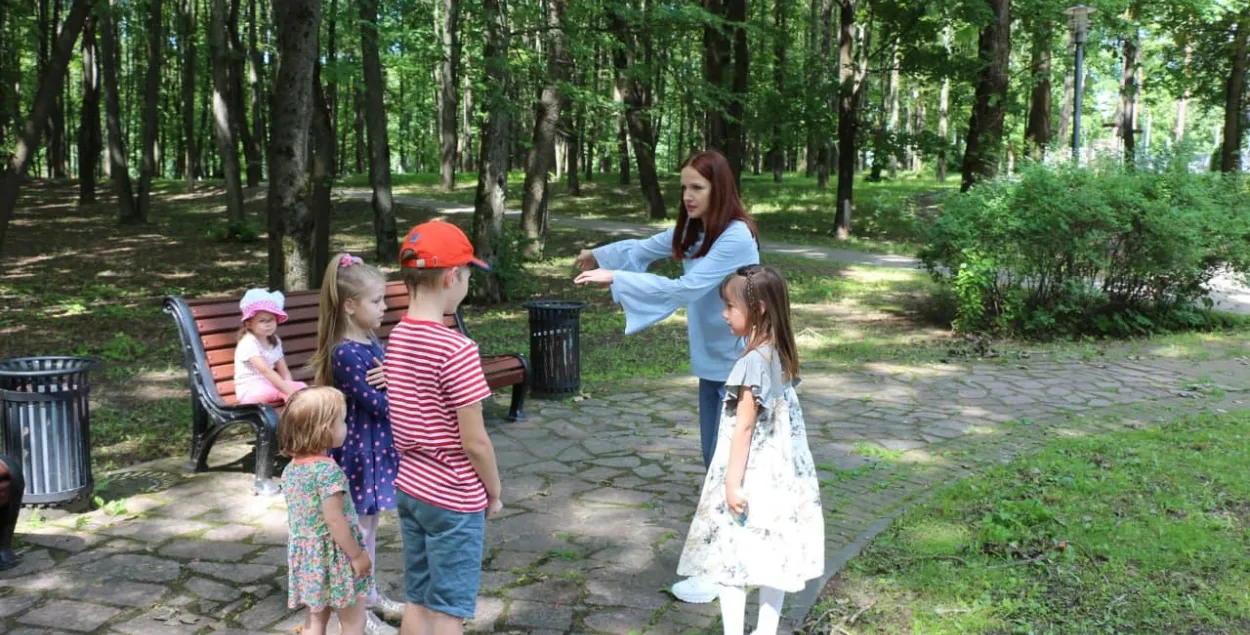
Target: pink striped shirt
[432,371]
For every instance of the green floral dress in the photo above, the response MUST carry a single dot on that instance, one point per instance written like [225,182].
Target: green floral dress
[320,573]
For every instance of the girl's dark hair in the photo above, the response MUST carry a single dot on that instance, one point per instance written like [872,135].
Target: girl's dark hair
[762,294]
[723,208]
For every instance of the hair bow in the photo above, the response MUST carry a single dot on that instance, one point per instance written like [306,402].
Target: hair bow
[348,260]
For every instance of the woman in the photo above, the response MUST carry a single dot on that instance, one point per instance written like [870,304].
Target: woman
[714,236]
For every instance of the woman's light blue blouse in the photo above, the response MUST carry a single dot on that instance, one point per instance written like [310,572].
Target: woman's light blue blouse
[647,298]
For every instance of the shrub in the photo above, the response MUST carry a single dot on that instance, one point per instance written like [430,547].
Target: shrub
[1104,251]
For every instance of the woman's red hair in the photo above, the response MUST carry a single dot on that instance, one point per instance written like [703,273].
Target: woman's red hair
[724,207]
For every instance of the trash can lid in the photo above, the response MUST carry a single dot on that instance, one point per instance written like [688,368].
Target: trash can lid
[565,305]
[45,366]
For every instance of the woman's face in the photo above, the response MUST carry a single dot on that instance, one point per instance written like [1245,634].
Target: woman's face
[696,192]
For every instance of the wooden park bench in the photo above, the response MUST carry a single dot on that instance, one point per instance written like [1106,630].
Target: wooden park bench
[208,327]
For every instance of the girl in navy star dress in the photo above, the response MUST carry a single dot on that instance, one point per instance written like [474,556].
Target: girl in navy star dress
[349,357]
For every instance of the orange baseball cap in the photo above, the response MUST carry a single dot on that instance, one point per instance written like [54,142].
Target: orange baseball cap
[437,245]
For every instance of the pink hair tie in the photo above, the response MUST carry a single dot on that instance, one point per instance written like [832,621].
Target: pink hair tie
[348,260]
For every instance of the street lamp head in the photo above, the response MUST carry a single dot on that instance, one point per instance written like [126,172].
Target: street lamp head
[1078,20]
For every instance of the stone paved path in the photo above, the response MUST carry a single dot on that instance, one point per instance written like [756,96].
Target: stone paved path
[598,495]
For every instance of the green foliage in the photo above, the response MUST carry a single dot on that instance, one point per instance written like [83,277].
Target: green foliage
[1104,251]
[1100,534]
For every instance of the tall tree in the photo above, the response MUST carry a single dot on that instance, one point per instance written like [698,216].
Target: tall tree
[1037,131]
[297,23]
[89,129]
[776,150]
[547,110]
[224,119]
[256,88]
[187,35]
[735,127]
[851,77]
[151,117]
[379,146]
[323,171]
[630,83]
[1182,104]
[1235,96]
[447,26]
[492,179]
[985,127]
[119,170]
[1126,112]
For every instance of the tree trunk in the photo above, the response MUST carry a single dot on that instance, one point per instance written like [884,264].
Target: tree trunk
[1230,152]
[1182,104]
[895,81]
[256,88]
[776,153]
[465,142]
[1037,131]
[985,127]
[187,41]
[224,119]
[379,146]
[735,143]
[89,129]
[944,105]
[633,94]
[1065,112]
[358,126]
[332,88]
[823,81]
[119,170]
[851,87]
[1128,92]
[56,121]
[575,149]
[151,115]
[547,112]
[716,58]
[297,23]
[447,28]
[492,180]
[322,180]
[237,57]
[622,136]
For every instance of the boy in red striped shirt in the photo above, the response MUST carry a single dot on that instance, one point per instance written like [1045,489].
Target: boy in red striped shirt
[448,481]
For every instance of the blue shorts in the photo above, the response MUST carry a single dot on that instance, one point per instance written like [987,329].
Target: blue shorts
[442,556]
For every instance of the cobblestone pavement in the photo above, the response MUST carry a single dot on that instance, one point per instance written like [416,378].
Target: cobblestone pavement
[598,495]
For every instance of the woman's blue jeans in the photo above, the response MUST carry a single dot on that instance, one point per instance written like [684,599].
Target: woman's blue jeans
[711,397]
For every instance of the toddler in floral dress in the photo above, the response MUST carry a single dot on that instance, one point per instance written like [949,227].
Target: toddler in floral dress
[329,570]
[759,521]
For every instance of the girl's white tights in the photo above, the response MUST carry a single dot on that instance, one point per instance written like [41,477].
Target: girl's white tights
[733,608]
[369,527]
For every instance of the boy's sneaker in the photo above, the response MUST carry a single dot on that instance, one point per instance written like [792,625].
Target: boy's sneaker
[375,626]
[386,608]
[696,591]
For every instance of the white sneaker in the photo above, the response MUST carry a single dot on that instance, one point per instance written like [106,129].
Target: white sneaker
[696,591]
[375,626]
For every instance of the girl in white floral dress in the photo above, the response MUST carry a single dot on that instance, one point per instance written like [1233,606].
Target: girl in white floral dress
[759,521]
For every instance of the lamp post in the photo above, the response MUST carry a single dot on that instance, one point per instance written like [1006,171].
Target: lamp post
[1078,20]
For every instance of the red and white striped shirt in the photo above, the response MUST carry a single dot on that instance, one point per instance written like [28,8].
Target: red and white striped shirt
[432,371]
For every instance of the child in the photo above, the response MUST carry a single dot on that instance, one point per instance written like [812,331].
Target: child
[759,521]
[348,357]
[447,471]
[260,372]
[329,569]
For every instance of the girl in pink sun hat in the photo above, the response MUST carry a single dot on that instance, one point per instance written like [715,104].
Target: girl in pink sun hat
[260,372]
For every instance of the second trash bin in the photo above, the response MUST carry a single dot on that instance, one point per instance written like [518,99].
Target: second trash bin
[555,347]
[46,425]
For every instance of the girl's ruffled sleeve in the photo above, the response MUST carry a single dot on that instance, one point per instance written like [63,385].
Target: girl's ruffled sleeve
[350,370]
[635,254]
[750,373]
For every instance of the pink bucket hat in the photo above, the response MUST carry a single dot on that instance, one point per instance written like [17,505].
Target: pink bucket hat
[257,300]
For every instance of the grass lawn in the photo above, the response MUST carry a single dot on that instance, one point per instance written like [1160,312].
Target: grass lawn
[796,211]
[1141,531]
[73,282]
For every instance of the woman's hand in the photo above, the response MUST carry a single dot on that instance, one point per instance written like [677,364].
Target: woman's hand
[597,277]
[736,499]
[586,260]
[376,376]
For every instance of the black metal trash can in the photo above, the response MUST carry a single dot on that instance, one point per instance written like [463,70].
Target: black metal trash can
[45,420]
[555,347]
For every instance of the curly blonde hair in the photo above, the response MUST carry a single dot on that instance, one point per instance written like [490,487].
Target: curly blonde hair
[307,424]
